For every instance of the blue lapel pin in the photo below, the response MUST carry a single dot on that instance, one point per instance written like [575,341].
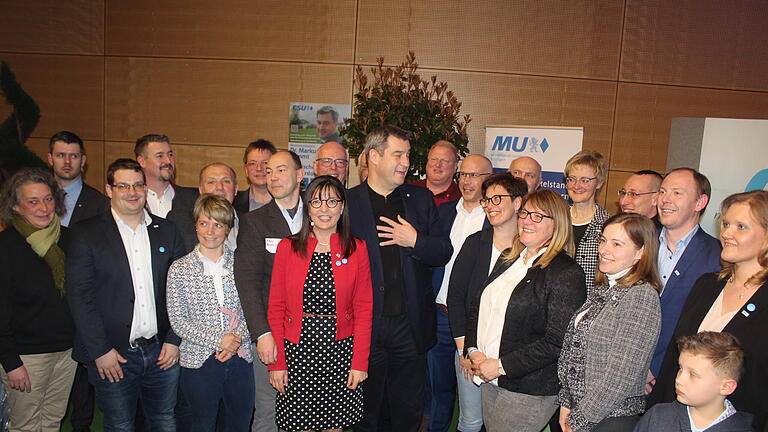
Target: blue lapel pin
[751,307]
[161,249]
[338,263]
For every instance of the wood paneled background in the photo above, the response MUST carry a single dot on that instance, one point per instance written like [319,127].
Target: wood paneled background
[216,75]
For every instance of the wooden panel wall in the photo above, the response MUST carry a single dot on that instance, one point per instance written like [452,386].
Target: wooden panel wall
[216,75]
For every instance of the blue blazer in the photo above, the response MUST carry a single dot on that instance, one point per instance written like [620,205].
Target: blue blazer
[701,256]
[432,249]
[100,289]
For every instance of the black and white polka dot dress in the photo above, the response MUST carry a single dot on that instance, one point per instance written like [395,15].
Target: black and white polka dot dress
[317,396]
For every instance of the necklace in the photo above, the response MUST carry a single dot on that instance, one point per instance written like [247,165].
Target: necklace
[743,289]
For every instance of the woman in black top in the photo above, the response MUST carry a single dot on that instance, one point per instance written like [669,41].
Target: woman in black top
[36,330]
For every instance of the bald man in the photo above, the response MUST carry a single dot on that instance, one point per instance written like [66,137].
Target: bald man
[527,169]
[640,194]
[460,219]
[332,159]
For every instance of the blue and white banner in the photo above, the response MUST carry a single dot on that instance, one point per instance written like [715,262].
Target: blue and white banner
[550,146]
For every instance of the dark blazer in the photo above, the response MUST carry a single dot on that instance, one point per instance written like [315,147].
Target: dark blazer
[749,327]
[34,316]
[242,201]
[354,302]
[181,215]
[90,203]
[432,249]
[674,417]
[538,313]
[470,271]
[253,263]
[701,256]
[100,288]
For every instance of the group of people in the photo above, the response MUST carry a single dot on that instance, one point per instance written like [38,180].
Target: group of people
[325,308]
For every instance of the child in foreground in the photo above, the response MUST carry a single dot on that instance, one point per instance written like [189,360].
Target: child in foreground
[710,366]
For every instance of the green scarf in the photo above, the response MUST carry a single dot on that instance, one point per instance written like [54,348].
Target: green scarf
[45,244]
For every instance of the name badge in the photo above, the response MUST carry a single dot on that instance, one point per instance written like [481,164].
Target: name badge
[271,244]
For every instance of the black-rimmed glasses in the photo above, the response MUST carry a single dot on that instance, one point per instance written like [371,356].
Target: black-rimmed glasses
[495,200]
[125,187]
[633,195]
[535,216]
[330,202]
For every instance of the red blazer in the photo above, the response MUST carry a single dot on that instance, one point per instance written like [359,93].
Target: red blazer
[354,298]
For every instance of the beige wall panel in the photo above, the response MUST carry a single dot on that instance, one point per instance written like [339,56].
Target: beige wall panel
[68,89]
[52,26]
[578,38]
[189,160]
[312,30]
[707,43]
[94,167]
[495,99]
[615,182]
[214,102]
[644,113]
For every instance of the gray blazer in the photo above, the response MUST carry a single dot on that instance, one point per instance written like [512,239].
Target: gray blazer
[194,310]
[604,361]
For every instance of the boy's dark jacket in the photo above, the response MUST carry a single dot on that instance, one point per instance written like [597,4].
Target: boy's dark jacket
[673,417]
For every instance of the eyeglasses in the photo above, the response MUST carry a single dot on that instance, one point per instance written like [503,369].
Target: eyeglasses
[471,175]
[535,216]
[330,202]
[584,180]
[495,200]
[125,187]
[340,163]
[633,195]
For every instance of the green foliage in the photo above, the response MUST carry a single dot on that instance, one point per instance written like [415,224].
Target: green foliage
[399,96]
[15,130]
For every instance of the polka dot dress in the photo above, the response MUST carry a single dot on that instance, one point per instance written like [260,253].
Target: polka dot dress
[317,396]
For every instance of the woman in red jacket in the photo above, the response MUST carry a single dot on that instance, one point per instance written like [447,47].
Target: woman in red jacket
[320,307]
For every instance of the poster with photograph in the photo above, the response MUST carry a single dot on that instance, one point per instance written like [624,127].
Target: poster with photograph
[311,125]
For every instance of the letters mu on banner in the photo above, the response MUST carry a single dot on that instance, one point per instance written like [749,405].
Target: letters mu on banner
[551,146]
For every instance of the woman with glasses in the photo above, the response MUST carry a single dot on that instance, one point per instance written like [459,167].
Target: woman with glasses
[205,312]
[516,322]
[584,176]
[502,197]
[36,329]
[320,314]
[610,340]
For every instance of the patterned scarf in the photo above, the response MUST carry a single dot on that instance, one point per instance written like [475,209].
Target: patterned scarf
[44,243]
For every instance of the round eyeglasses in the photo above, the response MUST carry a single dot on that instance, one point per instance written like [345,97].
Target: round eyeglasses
[535,216]
[330,202]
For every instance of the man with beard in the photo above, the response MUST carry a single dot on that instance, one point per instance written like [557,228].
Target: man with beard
[442,161]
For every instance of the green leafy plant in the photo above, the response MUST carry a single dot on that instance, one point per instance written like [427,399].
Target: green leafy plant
[15,130]
[399,96]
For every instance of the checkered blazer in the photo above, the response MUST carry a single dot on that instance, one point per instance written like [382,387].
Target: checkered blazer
[586,250]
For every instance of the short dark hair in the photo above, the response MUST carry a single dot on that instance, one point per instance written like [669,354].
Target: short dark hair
[513,185]
[720,348]
[317,186]
[259,144]
[143,142]
[703,186]
[66,137]
[377,138]
[328,110]
[9,196]
[650,173]
[123,164]
[294,156]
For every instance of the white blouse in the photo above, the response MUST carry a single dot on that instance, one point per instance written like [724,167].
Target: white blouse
[716,320]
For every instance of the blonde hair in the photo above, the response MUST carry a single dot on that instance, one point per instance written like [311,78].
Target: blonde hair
[758,206]
[214,207]
[552,204]
[591,159]
[642,232]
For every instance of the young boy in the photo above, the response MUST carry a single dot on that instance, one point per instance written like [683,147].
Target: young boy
[710,367]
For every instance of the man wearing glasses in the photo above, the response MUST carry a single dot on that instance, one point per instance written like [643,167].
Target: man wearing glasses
[255,165]
[442,161]
[460,219]
[332,160]
[640,194]
[115,282]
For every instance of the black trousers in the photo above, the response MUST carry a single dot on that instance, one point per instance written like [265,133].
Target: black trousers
[393,394]
[81,401]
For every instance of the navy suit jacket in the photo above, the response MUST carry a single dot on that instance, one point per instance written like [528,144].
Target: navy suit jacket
[89,203]
[432,249]
[702,255]
[100,288]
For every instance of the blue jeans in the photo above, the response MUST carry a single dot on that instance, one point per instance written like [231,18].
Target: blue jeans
[441,377]
[470,403]
[230,383]
[143,379]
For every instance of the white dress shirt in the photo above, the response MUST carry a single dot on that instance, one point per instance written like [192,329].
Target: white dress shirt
[216,270]
[493,307]
[139,252]
[160,206]
[465,224]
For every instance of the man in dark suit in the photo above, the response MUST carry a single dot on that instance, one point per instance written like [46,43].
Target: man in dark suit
[116,272]
[153,152]
[260,232]
[400,224]
[66,155]
[255,164]
[685,251]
